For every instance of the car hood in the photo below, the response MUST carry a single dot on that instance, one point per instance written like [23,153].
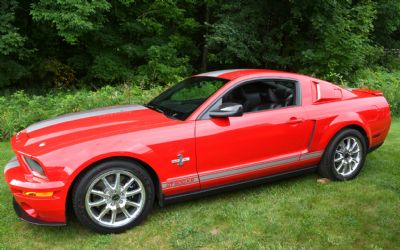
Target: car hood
[88,124]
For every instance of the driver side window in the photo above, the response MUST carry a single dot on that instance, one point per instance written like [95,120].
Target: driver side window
[263,95]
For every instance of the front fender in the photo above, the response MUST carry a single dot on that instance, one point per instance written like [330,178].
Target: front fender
[139,152]
[67,163]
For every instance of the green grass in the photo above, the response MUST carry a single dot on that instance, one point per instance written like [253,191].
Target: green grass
[293,213]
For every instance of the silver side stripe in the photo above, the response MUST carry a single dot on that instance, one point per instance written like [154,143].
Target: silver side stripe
[265,165]
[13,163]
[247,169]
[224,173]
[218,72]
[84,114]
[311,155]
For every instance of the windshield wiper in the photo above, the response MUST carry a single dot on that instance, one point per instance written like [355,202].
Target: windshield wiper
[153,107]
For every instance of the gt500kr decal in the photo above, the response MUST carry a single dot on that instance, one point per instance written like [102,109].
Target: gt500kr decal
[84,114]
[180,182]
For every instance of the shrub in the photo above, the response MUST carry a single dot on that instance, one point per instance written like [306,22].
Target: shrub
[19,110]
[387,82]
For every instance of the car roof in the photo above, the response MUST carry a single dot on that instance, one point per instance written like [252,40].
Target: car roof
[231,74]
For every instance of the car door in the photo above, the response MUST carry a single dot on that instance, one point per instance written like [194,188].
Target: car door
[264,141]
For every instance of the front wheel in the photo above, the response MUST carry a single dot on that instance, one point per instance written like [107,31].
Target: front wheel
[345,156]
[113,196]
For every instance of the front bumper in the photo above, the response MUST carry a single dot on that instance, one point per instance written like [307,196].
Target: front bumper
[28,218]
[37,210]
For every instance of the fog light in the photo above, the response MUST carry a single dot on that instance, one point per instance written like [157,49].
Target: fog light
[38,194]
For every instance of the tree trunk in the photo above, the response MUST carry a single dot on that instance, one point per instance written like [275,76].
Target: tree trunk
[204,53]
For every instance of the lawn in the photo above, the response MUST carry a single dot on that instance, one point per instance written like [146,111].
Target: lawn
[293,213]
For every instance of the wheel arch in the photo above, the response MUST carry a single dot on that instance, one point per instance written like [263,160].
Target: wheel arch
[85,169]
[352,121]
[361,130]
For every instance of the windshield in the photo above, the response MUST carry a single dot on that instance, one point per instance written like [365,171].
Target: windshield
[185,97]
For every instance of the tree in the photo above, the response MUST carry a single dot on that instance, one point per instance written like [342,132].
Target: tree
[335,36]
[66,43]
[315,37]
[12,51]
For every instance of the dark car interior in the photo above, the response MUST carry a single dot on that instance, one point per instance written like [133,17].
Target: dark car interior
[263,95]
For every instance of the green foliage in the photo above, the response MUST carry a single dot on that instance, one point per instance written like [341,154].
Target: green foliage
[71,18]
[55,74]
[252,33]
[71,44]
[10,71]
[20,109]
[314,37]
[10,38]
[97,41]
[380,79]
[201,90]
[153,42]
[338,36]
[387,23]
[164,66]
[235,37]
[12,51]
[111,68]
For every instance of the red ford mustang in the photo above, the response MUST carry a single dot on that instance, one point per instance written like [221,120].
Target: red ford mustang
[211,132]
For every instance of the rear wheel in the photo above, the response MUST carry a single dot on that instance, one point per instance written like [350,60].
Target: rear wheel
[113,196]
[345,156]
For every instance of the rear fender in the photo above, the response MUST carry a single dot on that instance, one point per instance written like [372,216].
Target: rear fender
[326,130]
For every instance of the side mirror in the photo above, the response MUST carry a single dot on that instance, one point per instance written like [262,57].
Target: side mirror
[227,110]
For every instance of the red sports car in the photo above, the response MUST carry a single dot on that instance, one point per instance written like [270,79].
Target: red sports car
[211,132]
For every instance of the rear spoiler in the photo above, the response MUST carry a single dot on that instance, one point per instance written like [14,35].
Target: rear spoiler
[366,91]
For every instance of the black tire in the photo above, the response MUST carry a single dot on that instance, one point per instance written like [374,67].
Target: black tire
[85,181]
[327,167]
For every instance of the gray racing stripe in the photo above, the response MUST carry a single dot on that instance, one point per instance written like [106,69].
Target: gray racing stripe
[218,72]
[84,114]
[13,163]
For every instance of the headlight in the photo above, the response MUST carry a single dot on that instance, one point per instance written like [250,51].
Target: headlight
[35,167]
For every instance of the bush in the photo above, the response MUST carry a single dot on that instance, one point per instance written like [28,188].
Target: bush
[19,110]
[382,80]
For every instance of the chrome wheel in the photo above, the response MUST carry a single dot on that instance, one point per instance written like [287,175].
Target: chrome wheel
[348,155]
[115,198]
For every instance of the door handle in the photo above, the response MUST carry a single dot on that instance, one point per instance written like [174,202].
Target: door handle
[295,120]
